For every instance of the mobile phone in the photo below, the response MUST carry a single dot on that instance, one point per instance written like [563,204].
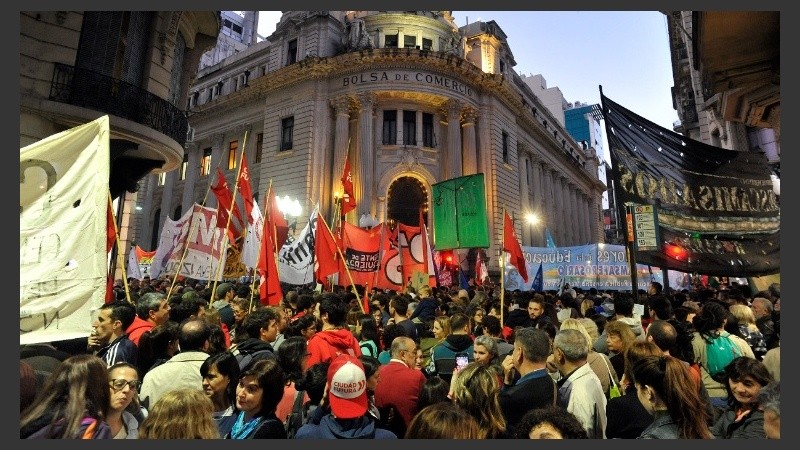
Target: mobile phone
[461,361]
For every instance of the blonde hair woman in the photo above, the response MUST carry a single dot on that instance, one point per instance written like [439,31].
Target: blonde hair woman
[475,388]
[620,337]
[750,332]
[443,420]
[180,414]
[599,362]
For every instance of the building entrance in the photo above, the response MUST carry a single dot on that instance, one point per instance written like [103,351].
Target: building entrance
[406,196]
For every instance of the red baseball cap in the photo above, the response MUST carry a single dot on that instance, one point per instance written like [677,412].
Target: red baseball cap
[347,387]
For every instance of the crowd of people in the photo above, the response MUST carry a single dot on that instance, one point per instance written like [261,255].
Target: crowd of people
[188,360]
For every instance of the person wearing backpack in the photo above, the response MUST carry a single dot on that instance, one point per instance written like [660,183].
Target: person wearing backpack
[714,348]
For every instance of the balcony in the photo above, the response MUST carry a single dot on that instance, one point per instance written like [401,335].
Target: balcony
[92,90]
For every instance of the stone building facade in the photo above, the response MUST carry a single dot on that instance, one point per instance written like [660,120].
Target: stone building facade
[410,98]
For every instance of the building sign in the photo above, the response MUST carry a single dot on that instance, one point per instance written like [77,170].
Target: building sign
[393,76]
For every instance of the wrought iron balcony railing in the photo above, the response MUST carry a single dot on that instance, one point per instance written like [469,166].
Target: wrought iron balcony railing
[89,89]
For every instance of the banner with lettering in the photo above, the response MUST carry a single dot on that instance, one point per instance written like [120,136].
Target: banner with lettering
[296,258]
[195,238]
[62,232]
[717,211]
[361,248]
[601,266]
[139,262]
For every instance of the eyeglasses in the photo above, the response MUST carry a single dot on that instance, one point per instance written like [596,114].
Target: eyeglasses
[119,383]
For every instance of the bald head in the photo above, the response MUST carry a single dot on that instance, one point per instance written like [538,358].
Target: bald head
[193,335]
[663,334]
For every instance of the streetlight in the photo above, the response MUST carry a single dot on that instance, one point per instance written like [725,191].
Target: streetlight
[534,220]
[291,208]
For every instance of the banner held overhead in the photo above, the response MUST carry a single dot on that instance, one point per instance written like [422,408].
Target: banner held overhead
[459,213]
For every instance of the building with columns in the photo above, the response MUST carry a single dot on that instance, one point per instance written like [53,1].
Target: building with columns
[410,98]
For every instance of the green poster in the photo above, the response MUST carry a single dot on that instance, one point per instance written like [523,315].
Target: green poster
[459,213]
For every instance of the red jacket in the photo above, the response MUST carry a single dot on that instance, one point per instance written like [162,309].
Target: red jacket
[328,344]
[399,388]
[137,328]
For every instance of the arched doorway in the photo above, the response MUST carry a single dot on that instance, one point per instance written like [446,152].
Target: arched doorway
[406,196]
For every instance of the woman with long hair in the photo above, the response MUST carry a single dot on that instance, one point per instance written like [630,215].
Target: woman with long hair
[434,390]
[626,416]
[220,374]
[743,419]
[157,345]
[72,404]
[368,335]
[620,337]
[749,330]
[292,356]
[259,390]
[666,390]
[305,326]
[180,414]
[475,388]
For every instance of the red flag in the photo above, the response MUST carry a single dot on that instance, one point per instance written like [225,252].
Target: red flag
[277,222]
[349,200]
[111,235]
[246,190]
[324,251]
[270,292]
[225,198]
[361,248]
[511,245]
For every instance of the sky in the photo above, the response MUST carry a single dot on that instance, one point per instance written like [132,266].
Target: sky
[625,52]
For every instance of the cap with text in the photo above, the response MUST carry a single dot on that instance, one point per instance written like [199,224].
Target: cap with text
[347,387]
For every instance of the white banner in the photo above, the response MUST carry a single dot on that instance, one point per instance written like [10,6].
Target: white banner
[62,241]
[252,240]
[196,240]
[296,259]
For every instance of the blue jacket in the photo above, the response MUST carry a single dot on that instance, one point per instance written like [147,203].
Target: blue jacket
[426,309]
[332,428]
[663,427]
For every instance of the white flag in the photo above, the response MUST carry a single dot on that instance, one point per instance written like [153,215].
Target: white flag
[133,269]
[252,240]
[62,232]
[296,259]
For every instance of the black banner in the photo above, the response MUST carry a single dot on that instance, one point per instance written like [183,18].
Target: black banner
[715,206]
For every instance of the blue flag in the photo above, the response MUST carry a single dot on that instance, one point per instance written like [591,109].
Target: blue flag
[538,280]
[462,279]
[550,242]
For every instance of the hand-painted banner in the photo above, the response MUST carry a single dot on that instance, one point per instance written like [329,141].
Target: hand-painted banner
[196,229]
[139,262]
[62,232]
[601,266]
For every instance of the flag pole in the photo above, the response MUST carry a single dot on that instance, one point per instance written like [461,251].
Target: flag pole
[344,263]
[502,270]
[119,249]
[255,270]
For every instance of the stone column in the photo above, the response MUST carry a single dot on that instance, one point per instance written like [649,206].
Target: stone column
[166,196]
[364,186]
[400,130]
[584,204]
[469,117]
[536,204]
[560,210]
[341,105]
[524,198]
[418,137]
[594,220]
[549,213]
[217,153]
[454,137]
[576,221]
[192,175]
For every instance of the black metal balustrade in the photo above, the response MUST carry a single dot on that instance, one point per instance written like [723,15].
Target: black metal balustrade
[90,89]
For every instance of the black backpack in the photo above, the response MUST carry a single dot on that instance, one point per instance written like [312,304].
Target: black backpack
[299,415]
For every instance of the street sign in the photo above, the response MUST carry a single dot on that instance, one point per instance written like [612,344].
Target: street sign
[646,227]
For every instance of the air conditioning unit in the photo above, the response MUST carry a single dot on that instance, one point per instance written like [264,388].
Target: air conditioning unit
[190,135]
